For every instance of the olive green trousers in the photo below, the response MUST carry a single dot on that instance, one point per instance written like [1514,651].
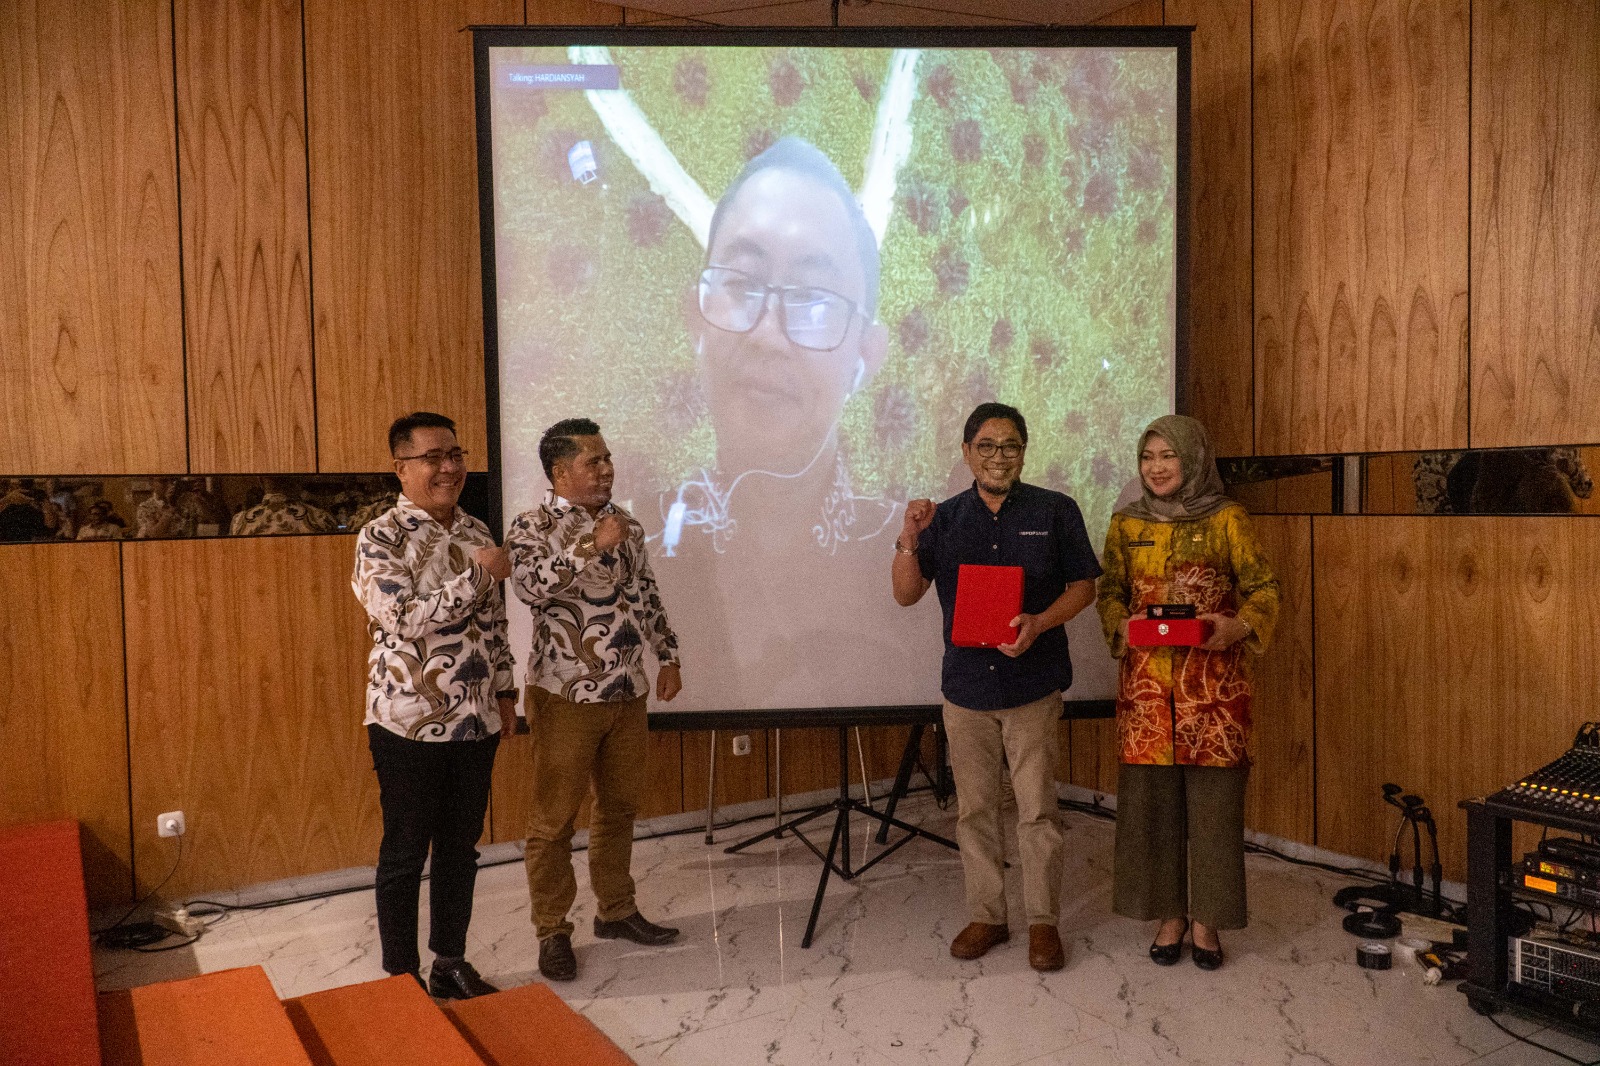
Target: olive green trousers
[1180,844]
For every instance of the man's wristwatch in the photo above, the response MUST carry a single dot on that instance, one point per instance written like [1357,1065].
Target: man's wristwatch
[585,548]
[901,549]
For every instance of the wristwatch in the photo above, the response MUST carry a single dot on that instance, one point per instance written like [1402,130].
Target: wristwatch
[900,549]
[585,548]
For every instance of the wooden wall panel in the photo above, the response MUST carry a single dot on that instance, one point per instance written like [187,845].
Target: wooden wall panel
[739,778]
[571,13]
[1360,149]
[91,333]
[246,245]
[1279,799]
[66,749]
[1094,754]
[394,220]
[246,674]
[1138,13]
[1453,656]
[1535,223]
[1220,377]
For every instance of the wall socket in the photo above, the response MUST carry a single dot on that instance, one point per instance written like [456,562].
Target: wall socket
[170,824]
[741,745]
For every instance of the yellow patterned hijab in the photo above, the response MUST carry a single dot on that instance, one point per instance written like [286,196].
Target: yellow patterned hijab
[1201,493]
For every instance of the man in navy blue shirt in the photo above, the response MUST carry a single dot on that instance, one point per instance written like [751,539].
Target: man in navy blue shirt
[1002,704]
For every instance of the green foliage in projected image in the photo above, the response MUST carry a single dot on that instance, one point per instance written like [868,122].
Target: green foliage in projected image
[1029,257]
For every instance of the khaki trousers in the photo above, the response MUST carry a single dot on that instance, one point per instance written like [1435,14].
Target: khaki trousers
[1180,844]
[575,744]
[982,744]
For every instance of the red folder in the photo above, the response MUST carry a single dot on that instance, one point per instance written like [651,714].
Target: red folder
[987,599]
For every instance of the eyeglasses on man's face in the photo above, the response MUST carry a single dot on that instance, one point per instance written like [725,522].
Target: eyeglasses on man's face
[988,448]
[438,457]
[815,319]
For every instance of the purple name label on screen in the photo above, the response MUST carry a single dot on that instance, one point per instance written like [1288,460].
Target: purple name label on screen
[570,77]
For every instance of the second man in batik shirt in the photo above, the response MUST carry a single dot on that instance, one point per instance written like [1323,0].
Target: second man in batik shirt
[578,561]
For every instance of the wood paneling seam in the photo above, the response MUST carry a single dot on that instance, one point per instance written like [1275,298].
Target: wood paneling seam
[183,294]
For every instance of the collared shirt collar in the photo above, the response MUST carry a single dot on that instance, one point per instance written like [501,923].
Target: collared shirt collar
[560,506]
[405,503]
[1019,487]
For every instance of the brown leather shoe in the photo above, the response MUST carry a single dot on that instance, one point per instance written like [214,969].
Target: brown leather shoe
[1045,953]
[976,939]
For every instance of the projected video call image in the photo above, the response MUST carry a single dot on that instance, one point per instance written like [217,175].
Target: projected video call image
[780,279]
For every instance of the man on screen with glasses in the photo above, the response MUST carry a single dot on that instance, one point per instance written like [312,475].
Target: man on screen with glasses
[782,320]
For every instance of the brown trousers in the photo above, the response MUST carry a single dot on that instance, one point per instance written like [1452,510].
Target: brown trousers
[574,745]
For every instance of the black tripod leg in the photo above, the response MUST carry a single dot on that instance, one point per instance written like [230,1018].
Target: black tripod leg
[902,777]
[822,882]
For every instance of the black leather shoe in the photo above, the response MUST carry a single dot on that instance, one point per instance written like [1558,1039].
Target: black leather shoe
[556,960]
[634,927]
[457,981]
[1169,954]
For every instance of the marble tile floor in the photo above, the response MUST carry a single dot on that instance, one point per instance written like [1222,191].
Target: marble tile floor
[879,986]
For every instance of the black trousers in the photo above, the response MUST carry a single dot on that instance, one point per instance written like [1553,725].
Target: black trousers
[433,795]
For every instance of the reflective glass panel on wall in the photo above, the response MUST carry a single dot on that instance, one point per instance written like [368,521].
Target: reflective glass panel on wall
[38,510]
[1556,480]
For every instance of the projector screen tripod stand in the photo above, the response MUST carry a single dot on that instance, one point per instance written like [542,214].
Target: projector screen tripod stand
[837,859]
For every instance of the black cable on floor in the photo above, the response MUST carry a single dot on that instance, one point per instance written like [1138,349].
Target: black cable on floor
[1542,1047]
[137,936]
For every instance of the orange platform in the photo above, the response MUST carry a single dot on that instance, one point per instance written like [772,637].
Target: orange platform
[532,1026]
[391,1022]
[232,1017]
[46,973]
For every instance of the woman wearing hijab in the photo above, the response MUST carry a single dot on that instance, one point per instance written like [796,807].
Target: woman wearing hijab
[1183,713]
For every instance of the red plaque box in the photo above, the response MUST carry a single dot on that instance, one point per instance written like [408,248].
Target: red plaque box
[987,599]
[1183,632]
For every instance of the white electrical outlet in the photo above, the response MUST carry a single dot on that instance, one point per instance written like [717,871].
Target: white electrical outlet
[741,745]
[170,824]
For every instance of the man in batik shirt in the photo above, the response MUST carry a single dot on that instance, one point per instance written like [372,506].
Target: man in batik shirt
[277,514]
[579,562]
[439,697]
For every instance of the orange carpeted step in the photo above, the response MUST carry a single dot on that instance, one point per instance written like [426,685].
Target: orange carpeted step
[231,1017]
[46,975]
[531,1026]
[391,1022]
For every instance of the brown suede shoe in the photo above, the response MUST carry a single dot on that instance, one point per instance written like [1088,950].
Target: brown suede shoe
[976,939]
[1045,953]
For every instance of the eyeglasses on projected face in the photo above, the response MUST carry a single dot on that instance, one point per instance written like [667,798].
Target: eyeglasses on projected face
[987,448]
[813,318]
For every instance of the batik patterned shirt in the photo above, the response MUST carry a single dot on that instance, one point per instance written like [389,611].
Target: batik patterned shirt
[1176,704]
[438,626]
[593,612]
[276,514]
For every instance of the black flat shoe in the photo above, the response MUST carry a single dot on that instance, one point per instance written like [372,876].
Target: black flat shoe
[1169,954]
[1206,959]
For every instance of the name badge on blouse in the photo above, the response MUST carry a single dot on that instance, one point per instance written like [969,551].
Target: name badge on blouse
[1141,544]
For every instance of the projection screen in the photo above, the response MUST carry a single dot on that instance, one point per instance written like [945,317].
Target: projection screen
[932,219]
